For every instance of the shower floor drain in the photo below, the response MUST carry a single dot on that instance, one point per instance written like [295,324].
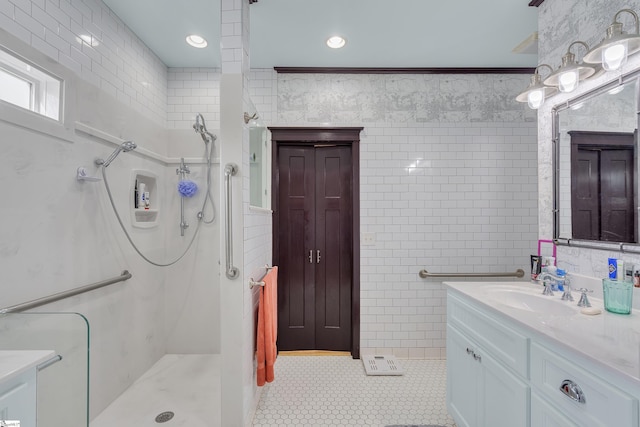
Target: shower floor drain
[164,417]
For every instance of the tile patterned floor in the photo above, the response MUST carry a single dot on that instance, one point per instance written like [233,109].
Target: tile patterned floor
[323,390]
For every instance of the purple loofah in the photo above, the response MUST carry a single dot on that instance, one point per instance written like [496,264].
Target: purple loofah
[187,188]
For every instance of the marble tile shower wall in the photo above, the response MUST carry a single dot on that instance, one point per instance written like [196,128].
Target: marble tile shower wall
[448,183]
[559,24]
[113,58]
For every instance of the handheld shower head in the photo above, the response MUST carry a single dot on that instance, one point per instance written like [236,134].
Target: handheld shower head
[125,146]
[200,127]
[197,126]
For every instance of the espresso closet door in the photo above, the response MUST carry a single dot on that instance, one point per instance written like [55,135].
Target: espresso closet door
[315,199]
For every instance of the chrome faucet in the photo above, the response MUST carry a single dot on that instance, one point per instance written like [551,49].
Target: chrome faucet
[584,301]
[566,295]
[547,279]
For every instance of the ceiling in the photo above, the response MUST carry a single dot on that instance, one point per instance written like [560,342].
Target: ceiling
[379,33]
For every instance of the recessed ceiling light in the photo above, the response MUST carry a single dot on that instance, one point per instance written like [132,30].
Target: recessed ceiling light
[336,42]
[196,41]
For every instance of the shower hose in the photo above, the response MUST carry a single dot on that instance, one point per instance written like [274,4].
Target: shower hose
[200,215]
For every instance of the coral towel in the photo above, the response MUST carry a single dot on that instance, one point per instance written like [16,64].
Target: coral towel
[267,327]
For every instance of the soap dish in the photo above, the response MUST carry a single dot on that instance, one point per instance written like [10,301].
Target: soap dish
[590,311]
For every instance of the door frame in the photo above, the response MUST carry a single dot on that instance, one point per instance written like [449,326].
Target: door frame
[310,136]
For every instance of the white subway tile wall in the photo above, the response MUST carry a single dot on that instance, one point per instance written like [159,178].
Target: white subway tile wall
[448,172]
[88,38]
[191,91]
[234,37]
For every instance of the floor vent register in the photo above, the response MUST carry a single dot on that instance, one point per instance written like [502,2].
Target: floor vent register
[381,365]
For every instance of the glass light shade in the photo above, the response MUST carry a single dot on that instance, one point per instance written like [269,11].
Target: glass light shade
[535,98]
[614,56]
[536,93]
[609,50]
[568,81]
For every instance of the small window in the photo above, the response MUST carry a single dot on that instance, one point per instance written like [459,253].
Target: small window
[26,86]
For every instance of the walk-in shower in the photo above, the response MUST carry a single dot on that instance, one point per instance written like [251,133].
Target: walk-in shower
[200,127]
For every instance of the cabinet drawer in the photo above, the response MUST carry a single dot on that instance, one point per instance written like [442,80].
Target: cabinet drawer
[506,345]
[604,405]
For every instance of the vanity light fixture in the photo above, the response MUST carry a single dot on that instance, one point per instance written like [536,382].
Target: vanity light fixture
[197,41]
[571,73]
[537,92]
[616,46]
[336,42]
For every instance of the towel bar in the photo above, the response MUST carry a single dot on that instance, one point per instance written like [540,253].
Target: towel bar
[253,283]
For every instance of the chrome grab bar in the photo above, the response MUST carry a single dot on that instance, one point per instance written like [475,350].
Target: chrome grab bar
[518,273]
[229,170]
[66,294]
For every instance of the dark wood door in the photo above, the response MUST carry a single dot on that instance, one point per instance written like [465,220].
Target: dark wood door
[315,193]
[602,186]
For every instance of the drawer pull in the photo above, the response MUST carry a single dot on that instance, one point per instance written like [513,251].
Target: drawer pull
[573,391]
[477,357]
[469,351]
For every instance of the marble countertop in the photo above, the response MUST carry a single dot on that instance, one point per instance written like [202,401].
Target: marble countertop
[15,362]
[611,340]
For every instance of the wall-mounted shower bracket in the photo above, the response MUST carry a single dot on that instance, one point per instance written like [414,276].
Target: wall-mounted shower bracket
[183,171]
[83,175]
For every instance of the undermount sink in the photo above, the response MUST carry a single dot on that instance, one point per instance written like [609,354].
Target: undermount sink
[526,300]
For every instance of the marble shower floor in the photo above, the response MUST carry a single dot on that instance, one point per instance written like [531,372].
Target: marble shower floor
[187,384]
[324,390]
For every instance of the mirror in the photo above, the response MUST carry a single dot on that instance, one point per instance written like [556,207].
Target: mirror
[596,165]
[259,179]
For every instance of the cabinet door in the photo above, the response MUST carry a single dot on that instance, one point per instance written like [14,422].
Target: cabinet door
[503,397]
[462,379]
[544,415]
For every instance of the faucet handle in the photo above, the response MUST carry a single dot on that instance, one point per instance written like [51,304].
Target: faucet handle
[584,301]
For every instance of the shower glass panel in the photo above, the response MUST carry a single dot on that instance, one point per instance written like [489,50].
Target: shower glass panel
[62,393]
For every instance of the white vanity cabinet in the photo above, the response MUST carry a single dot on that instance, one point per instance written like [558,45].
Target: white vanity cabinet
[18,374]
[506,369]
[481,390]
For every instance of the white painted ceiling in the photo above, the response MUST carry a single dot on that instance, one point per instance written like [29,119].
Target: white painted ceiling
[379,33]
